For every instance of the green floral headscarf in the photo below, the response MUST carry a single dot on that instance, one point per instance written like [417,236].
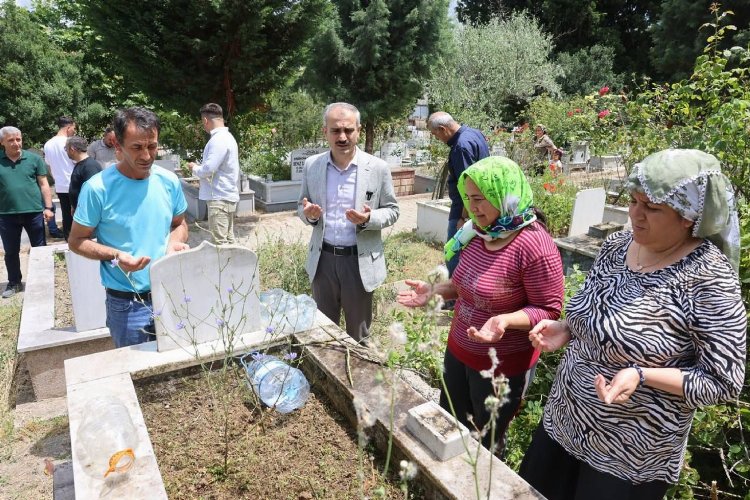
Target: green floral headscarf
[504,185]
[691,182]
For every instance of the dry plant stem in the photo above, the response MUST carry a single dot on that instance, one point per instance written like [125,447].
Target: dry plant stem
[349,369]
[390,429]
[471,461]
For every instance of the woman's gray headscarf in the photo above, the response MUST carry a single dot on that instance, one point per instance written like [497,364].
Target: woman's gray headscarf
[691,182]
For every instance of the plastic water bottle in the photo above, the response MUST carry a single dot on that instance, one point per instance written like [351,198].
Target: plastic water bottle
[107,438]
[306,309]
[277,384]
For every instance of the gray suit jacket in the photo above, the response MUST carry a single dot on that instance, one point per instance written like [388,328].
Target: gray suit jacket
[373,176]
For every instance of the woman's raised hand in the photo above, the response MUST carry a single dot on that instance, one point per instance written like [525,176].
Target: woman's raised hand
[549,335]
[417,296]
[619,390]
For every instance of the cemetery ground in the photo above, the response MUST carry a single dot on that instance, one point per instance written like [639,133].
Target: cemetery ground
[34,436]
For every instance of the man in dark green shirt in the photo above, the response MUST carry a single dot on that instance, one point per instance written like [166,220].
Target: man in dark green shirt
[25,202]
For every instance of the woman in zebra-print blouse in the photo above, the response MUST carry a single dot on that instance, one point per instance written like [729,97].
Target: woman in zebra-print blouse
[657,330]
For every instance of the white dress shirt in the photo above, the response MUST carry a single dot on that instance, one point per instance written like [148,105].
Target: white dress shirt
[219,171]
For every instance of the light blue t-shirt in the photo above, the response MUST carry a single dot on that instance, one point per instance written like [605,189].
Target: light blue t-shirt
[134,216]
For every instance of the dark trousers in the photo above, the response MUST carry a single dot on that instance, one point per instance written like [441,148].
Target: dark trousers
[468,390]
[67,217]
[10,232]
[558,475]
[337,284]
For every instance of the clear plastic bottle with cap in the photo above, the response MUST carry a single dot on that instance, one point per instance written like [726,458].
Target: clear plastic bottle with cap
[277,384]
[107,438]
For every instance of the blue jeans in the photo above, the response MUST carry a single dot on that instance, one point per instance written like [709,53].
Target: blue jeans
[10,233]
[129,322]
[453,263]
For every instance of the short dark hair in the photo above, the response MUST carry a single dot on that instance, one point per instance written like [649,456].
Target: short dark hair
[77,143]
[212,110]
[64,121]
[108,130]
[143,118]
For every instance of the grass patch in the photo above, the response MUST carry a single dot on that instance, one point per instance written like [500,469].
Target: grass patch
[10,319]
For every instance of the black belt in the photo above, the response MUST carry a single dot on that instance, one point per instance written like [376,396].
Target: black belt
[340,251]
[140,296]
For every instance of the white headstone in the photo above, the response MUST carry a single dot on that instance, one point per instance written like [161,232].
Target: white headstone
[297,160]
[203,294]
[588,209]
[581,153]
[86,291]
[392,153]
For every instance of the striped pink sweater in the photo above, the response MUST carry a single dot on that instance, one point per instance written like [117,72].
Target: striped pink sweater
[525,275]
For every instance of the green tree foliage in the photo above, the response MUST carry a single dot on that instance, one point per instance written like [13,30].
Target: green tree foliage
[677,40]
[105,89]
[492,69]
[588,69]
[38,81]
[578,24]
[184,53]
[376,55]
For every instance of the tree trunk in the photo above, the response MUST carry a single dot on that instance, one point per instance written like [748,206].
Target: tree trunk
[369,135]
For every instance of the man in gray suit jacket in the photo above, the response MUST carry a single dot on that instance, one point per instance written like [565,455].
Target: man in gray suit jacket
[347,196]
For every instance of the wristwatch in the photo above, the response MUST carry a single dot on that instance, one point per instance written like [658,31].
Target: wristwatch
[49,208]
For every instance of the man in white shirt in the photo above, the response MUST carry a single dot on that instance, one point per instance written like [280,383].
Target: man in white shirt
[61,166]
[219,175]
[103,150]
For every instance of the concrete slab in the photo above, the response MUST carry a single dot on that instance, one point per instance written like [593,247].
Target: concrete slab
[143,480]
[437,430]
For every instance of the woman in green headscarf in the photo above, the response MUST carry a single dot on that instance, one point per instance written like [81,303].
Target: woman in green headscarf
[657,330]
[509,277]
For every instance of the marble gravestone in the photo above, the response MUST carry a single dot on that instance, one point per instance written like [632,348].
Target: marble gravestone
[86,292]
[203,294]
[588,210]
[298,157]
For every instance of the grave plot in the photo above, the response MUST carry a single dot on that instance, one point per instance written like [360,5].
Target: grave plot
[338,369]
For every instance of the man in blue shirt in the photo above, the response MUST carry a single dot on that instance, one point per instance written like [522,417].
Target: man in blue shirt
[468,146]
[136,212]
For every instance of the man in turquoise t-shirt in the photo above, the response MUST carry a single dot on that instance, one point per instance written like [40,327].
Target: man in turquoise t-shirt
[136,212]
[23,184]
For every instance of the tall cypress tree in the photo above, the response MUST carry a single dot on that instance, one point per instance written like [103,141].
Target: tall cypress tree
[377,54]
[185,53]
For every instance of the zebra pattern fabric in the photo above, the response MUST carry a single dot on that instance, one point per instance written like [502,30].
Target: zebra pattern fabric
[689,316]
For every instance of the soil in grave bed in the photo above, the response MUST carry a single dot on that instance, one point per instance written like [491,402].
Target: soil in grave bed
[308,453]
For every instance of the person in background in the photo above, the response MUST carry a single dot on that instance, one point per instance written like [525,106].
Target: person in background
[509,278]
[25,203]
[61,167]
[127,217]
[468,146]
[84,169]
[347,196]
[555,165]
[219,175]
[657,330]
[542,142]
[103,150]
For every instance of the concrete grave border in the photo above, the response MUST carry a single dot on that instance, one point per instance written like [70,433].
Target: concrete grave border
[43,346]
[325,350]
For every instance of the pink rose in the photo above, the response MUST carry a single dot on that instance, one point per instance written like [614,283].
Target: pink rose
[570,113]
[603,113]
[603,90]
[578,110]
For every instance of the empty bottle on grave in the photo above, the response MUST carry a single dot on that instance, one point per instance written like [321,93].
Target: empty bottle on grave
[107,438]
[277,384]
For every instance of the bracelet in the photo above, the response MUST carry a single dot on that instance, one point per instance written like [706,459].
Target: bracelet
[641,376]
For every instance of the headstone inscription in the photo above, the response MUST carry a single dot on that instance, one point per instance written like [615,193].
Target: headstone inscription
[298,157]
